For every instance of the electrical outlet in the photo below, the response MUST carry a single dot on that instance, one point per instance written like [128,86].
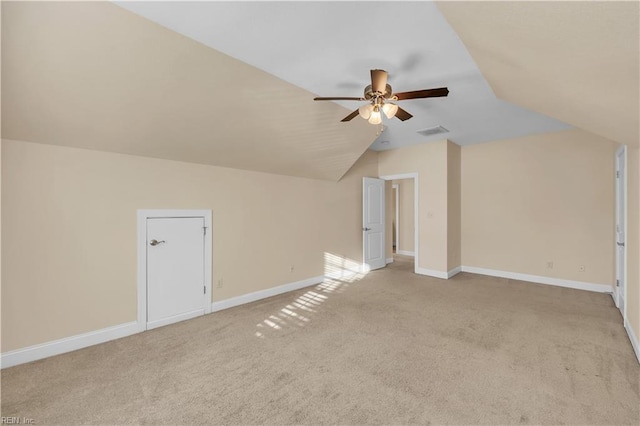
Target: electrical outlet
[291,268]
[220,283]
[550,264]
[581,268]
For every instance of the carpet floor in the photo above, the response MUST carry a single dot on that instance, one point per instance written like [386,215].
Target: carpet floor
[387,348]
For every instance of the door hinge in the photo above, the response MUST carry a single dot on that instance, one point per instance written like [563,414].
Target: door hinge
[617,283]
[204,228]
[205,289]
[617,174]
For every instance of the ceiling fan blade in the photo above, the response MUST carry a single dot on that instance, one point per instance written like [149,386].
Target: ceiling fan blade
[350,116]
[379,80]
[427,93]
[402,114]
[339,99]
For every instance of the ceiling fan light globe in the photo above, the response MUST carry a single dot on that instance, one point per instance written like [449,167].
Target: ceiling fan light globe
[390,110]
[375,118]
[365,111]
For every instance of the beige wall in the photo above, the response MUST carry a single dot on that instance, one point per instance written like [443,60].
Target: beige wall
[429,161]
[69,231]
[633,239]
[454,202]
[538,199]
[557,204]
[0,241]
[406,213]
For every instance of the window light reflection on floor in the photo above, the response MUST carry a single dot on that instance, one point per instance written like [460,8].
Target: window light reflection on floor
[339,272]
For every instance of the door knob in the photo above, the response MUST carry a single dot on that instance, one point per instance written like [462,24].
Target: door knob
[366,229]
[620,244]
[156,242]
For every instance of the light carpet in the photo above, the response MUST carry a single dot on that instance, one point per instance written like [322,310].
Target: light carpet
[389,348]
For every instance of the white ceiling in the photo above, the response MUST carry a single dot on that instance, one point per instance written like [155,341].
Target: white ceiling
[328,49]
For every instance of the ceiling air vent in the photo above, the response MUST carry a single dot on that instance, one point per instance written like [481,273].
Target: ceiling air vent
[432,131]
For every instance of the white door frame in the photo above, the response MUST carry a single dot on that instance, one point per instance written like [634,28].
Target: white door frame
[416,215]
[621,151]
[143,215]
[396,190]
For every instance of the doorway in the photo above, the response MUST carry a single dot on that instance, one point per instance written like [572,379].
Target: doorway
[174,266]
[621,225]
[394,225]
[405,220]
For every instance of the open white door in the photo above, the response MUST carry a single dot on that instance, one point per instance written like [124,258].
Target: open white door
[373,223]
[620,229]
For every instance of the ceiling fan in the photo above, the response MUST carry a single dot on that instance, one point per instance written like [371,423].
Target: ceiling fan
[382,99]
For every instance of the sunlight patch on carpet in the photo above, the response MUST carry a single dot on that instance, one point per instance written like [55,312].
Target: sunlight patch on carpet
[339,272]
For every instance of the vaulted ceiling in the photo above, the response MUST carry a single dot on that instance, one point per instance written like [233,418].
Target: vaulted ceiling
[328,49]
[232,83]
[575,61]
[93,75]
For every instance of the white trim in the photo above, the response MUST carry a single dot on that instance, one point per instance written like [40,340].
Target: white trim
[68,344]
[454,271]
[432,273]
[389,260]
[633,339]
[440,274]
[416,212]
[580,285]
[396,190]
[143,215]
[406,253]
[263,294]
[175,318]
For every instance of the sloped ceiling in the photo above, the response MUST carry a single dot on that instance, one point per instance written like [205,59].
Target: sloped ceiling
[231,83]
[328,48]
[93,75]
[574,61]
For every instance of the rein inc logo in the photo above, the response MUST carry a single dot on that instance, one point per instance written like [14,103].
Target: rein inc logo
[16,421]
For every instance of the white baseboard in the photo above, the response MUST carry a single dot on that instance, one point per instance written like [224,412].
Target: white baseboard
[406,253]
[454,271]
[389,260]
[580,285]
[615,299]
[439,274]
[633,338]
[68,344]
[57,347]
[263,294]
[80,341]
[175,318]
[432,273]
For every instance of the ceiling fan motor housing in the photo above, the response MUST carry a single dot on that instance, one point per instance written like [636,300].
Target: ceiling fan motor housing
[370,94]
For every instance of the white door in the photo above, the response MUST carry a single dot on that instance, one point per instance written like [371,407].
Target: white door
[620,227]
[175,270]
[373,223]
